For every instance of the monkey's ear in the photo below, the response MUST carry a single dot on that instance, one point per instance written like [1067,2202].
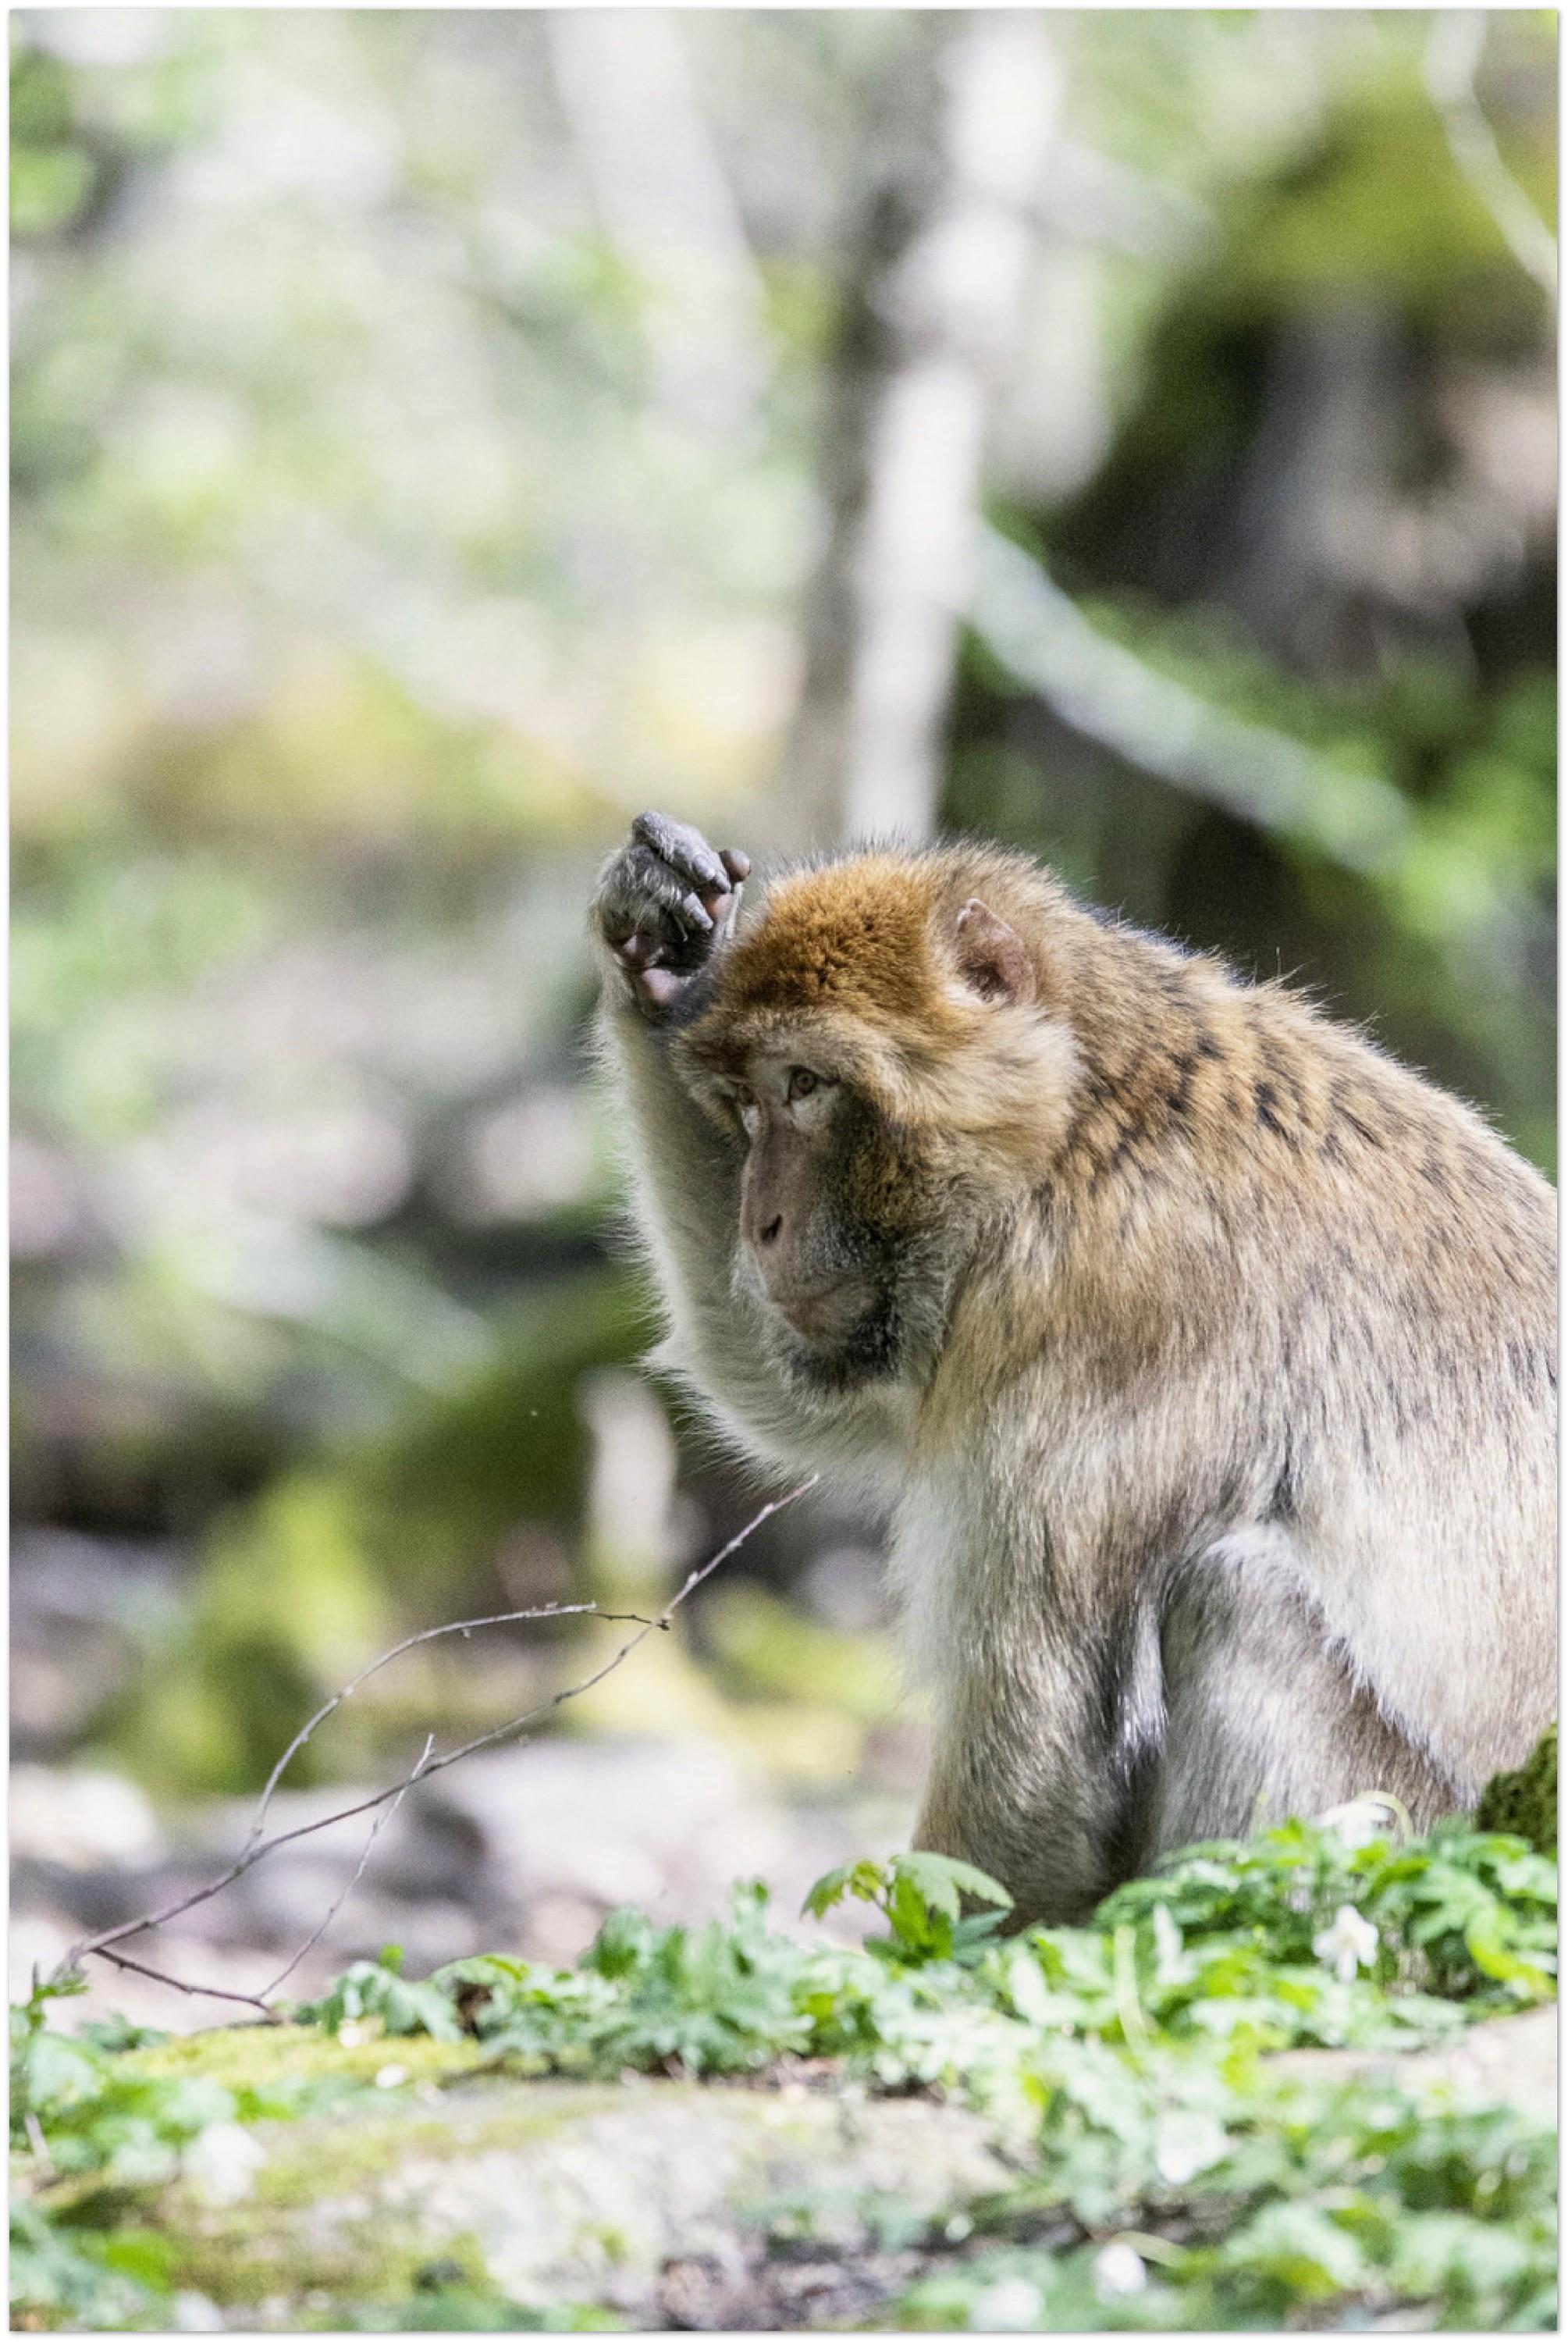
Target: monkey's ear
[992,958]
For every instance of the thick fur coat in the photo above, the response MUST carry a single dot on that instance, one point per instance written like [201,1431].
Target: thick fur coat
[1218,1442]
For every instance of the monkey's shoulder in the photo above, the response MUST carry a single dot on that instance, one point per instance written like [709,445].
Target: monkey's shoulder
[1259,1083]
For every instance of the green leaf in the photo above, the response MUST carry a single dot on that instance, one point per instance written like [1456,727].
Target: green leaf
[941,1880]
[865,1880]
[622,1944]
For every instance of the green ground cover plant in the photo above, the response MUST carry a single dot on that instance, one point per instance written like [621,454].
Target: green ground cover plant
[1173,2175]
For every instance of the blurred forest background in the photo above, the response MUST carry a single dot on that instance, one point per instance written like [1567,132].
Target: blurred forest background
[437,436]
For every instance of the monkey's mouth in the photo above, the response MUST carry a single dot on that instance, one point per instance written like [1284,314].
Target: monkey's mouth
[825,1313]
[842,1335]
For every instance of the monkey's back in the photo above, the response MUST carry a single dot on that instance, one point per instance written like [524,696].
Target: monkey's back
[1278,1251]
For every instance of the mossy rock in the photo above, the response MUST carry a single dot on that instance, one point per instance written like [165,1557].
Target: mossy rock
[637,2202]
[1524,1804]
[421,2185]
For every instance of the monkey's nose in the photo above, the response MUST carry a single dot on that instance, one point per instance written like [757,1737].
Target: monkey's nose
[770,1234]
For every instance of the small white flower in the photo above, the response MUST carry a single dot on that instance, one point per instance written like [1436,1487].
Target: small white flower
[1186,2144]
[1361,1821]
[1012,2306]
[1350,1944]
[352,2033]
[387,2077]
[221,2163]
[1119,2270]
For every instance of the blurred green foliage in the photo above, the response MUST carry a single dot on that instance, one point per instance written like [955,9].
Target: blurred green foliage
[317,1573]
[395,513]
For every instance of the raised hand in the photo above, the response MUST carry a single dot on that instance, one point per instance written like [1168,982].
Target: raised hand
[666,902]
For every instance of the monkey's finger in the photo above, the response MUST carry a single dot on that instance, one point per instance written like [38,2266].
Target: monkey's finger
[694,858]
[685,849]
[719,907]
[738,864]
[639,889]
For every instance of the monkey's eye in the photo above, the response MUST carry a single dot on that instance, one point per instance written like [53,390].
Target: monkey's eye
[801,1083]
[745,1105]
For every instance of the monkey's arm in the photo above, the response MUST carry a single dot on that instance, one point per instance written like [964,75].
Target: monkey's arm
[664,910]
[685,1181]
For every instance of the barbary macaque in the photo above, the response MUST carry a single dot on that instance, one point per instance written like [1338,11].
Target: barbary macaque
[1202,1356]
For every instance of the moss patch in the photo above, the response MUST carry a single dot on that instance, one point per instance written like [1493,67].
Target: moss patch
[1524,1804]
[261,2056]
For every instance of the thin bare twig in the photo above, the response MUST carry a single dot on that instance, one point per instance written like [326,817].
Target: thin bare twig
[382,1818]
[206,1991]
[257,1849]
[463,1626]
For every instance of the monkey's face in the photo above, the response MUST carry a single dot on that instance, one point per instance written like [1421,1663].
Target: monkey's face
[876,1043]
[831,1230]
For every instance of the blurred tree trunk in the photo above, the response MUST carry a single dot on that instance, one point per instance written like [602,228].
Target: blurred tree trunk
[657,183]
[935,278]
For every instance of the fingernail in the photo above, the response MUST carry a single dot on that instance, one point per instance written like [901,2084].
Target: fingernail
[691,908]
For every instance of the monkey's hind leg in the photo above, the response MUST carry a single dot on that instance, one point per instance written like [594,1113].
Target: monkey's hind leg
[1263,1719]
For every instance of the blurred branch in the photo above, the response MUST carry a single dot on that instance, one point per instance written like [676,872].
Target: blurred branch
[934,289]
[1107,693]
[256,1847]
[1453,51]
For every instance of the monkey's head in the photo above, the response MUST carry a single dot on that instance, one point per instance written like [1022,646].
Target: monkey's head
[880,1042]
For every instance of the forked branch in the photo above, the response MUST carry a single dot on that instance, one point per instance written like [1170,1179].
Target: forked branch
[382,1802]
